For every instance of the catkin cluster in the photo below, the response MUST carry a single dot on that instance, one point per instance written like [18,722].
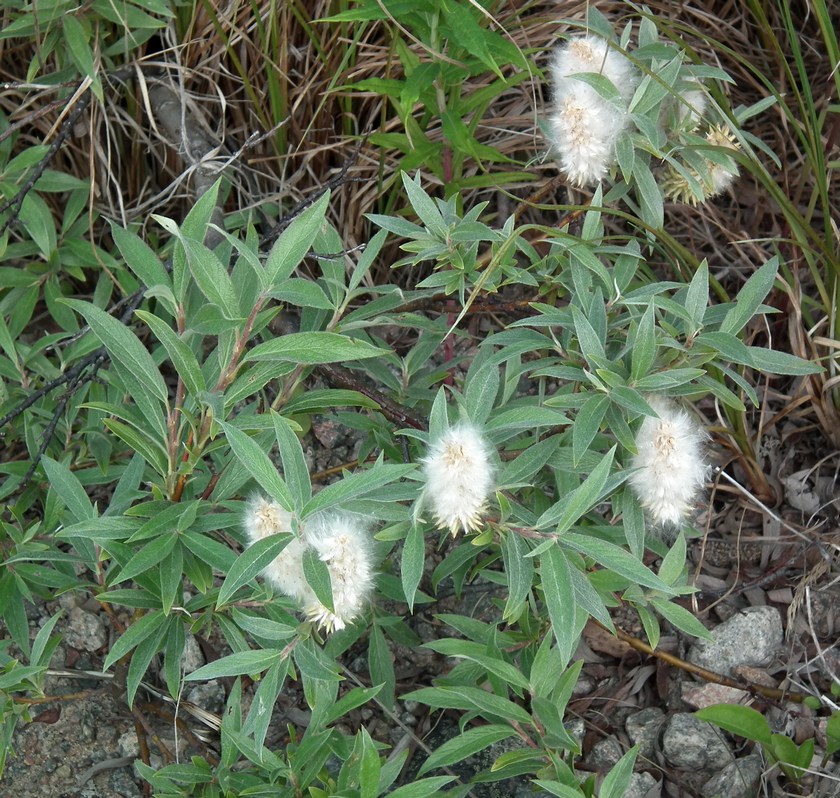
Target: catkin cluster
[585,124]
[670,467]
[339,539]
[458,472]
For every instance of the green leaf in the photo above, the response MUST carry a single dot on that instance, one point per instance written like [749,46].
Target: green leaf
[476,652]
[680,617]
[422,788]
[133,636]
[519,570]
[737,719]
[249,564]
[68,488]
[591,345]
[141,442]
[560,600]
[650,195]
[564,513]
[143,655]
[697,297]
[238,664]
[750,297]
[464,745]
[261,627]
[303,293]
[617,781]
[180,354]
[123,346]
[614,558]
[480,392]
[171,573]
[317,576]
[464,697]
[140,258]
[258,465]
[355,486]
[780,362]
[314,348]
[380,666]
[673,563]
[265,698]
[295,470]
[411,566]
[294,242]
[212,278]
[146,557]
[314,663]
[423,205]
[587,423]
[369,766]
[644,346]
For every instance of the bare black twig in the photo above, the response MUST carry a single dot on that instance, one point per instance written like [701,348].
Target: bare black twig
[339,180]
[13,205]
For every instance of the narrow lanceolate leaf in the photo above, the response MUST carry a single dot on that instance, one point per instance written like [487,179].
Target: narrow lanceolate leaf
[123,346]
[750,297]
[463,697]
[147,557]
[133,636]
[380,666]
[180,354]
[66,484]
[212,278]
[737,719]
[355,486]
[617,781]
[644,349]
[238,664]
[680,617]
[580,501]
[413,557]
[317,576]
[314,348]
[294,465]
[250,563]
[519,570]
[258,465]
[422,788]
[615,558]
[470,742]
[294,242]
[697,297]
[560,600]
[776,362]
[140,258]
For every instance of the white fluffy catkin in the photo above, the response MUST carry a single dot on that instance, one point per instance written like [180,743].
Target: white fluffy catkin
[343,543]
[670,468]
[339,539]
[459,478]
[285,572]
[583,125]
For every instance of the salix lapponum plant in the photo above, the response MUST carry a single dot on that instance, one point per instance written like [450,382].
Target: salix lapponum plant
[532,462]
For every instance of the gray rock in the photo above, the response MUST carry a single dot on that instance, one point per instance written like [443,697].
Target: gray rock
[739,779]
[192,658]
[692,744]
[605,753]
[752,637]
[643,728]
[209,696]
[640,786]
[85,631]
